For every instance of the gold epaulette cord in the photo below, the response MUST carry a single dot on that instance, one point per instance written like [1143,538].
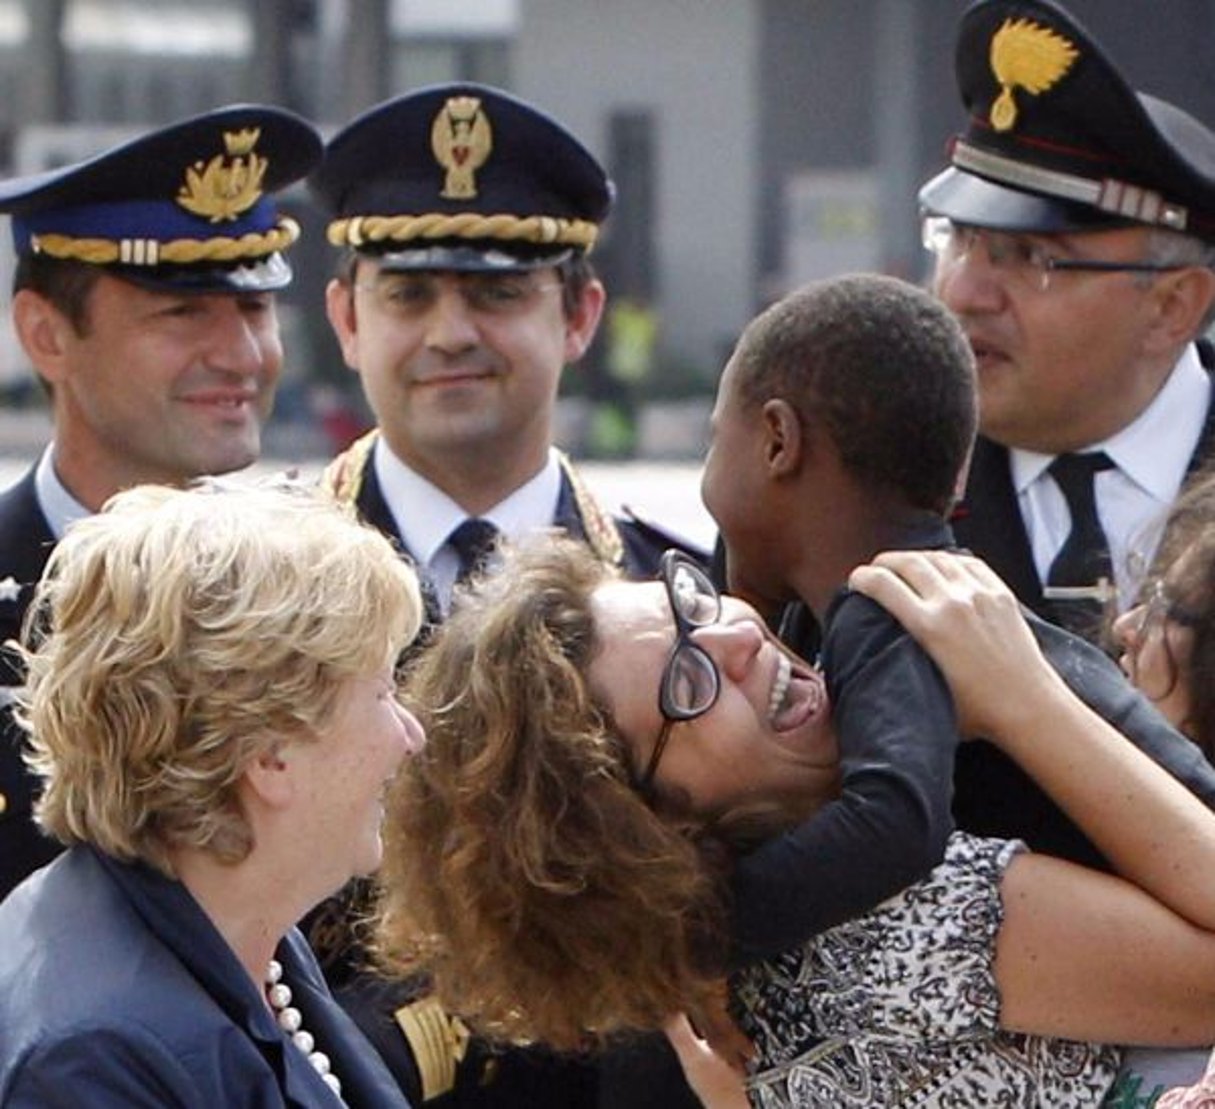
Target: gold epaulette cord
[343,476]
[438,1041]
[602,534]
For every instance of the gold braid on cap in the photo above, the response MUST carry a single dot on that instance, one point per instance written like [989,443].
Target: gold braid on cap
[343,478]
[359,231]
[152,252]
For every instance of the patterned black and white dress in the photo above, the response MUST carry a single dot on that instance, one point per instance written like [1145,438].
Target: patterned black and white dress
[900,1008]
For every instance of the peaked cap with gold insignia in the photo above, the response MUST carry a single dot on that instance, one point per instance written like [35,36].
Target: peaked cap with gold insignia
[461,177]
[187,208]
[1059,141]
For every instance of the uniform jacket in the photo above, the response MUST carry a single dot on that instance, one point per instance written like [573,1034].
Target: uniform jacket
[988,520]
[25,545]
[471,1074]
[633,544]
[116,990]
[898,739]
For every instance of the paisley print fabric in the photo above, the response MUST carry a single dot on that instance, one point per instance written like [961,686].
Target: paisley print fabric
[900,1008]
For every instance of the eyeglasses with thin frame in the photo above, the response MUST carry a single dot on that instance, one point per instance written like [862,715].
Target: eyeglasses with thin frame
[690,680]
[1024,261]
[410,295]
[1157,607]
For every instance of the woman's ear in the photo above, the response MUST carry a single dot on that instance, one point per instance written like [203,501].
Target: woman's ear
[269,776]
[783,438]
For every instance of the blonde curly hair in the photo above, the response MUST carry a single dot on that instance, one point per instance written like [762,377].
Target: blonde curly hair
[179,634]
[550,900]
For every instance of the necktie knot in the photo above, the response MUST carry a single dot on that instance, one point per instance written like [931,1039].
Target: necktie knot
[472,540]
[1074,474]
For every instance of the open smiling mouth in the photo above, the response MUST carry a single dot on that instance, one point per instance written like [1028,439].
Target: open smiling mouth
[796,696]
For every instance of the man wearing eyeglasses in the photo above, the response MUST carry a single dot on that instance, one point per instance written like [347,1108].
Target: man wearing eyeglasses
[465,218]
[1074,237]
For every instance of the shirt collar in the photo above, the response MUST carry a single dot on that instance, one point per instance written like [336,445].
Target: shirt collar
[1154,449]
[427,515]
[58,505]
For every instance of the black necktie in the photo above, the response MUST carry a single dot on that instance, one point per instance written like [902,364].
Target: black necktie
[1080,579]
[472,541]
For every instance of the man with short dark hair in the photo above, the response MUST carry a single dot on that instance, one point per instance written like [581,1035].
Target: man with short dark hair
[144,299]
[465,217]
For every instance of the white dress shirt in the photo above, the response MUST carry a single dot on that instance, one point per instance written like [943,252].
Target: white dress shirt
[425,516]
[58,505]
[1150,456]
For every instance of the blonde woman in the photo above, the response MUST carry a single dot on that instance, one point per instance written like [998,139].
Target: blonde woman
[213,712]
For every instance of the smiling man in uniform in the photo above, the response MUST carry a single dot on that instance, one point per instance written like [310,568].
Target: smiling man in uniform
[144,298]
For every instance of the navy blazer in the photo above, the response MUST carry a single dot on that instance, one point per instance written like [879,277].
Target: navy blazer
[117,990]
[25,545]
[643,541]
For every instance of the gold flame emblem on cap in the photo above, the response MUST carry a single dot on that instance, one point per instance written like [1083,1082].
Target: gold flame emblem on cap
[1027,56]
[230,183]
[461,139]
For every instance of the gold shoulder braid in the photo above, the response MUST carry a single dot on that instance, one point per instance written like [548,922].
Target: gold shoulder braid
[343,477]
[602,534]
[438,1040]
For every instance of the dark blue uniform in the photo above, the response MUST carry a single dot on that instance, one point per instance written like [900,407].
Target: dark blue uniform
[160,211]
[25,545]
[466,179]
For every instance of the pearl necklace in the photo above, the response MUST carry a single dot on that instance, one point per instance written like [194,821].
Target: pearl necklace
[289,1019]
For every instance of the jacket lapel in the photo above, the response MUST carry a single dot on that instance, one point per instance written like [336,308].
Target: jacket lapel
[988,522]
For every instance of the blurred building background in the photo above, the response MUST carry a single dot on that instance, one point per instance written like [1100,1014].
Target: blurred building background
[755,143]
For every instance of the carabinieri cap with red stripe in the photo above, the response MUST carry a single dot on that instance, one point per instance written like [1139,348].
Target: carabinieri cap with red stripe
[1057,138]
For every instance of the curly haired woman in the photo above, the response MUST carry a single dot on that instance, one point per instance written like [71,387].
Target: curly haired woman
[578,862]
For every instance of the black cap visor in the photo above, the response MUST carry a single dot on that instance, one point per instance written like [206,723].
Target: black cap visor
[265,275]
[468,258]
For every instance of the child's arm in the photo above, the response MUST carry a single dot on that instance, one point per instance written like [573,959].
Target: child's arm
[897,733]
